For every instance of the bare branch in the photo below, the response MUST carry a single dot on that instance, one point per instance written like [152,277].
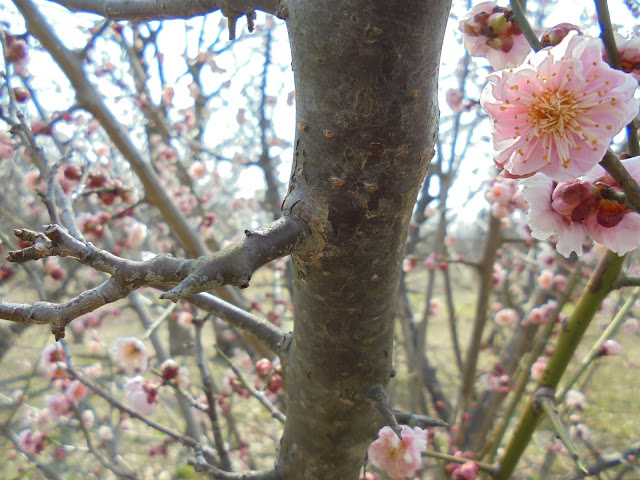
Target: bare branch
[261,397]
[48,471]
[415,420]
[201,466]
[183,439]
[380,400]
[241,259]
[629,185]
[233,265]
[143,10]
[208,387]
[273,337]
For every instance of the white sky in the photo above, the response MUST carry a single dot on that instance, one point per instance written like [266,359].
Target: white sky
[475,169]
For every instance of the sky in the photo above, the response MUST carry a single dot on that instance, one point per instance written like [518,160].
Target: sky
[476,167]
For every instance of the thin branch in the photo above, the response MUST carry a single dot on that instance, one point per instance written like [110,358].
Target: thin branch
[623,178]
[208,388]
[415,420]
[183,439]
[261,397]
[613,58]
[521,19]
[144,10]
[273,337]
[620,459]
[380,400]
[48,471]
[201,466]
[233,265]
[485,467]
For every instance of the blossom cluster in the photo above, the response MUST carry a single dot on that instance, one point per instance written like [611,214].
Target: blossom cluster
[554,117]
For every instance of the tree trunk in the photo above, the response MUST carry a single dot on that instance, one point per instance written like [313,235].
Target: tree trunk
[366,84]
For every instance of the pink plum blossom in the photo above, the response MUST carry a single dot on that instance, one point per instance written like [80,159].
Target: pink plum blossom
[31,442]
[455,99]
[466,471]
[573,210]
[6,147]
[399,458]
[631,326]
[575,399]
[538,368]
[58,405]
[142,395]
[105,433]
[507,317]
[610,348]
[76,392]
[556,34]
[136,232]
[131,354]
[49,358]
[489,32]
[558,113]
[629,52]
[545,279]
[504,197]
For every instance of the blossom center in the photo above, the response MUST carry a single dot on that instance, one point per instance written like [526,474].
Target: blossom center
[554,112]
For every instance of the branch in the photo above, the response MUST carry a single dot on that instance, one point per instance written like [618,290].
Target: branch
[183,439]
[144,10]
[622,458]
[261,397]
[273,337]
[415,420]
[235,264]
[48,471]
[623,178]
[232,265]
[208,387]
[201,466]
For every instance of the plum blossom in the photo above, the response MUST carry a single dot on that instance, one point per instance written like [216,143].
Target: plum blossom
[504,197]
[610,348]
[556,34]
[575,399]
[59,405]
[466,471]
[399,458]
[507,317]
[629,52]
[142,395]
[6,147]
[31,442]
[586,206]
[49,358]
[489,32]
[558,113]
[131,354]
[538,368]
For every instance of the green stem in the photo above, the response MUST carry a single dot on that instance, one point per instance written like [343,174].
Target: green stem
[521,19]
[548,407]
[596,290]
[595,350]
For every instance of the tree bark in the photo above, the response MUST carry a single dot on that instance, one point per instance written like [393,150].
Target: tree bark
[366,82]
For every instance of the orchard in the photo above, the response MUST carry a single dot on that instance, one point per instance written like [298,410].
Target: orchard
[319,240]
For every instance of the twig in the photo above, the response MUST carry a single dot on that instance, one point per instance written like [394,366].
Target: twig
[207,386]
[623,178]
[380,400]
[261,397]
[521,19]
[415,420]
[485,467]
